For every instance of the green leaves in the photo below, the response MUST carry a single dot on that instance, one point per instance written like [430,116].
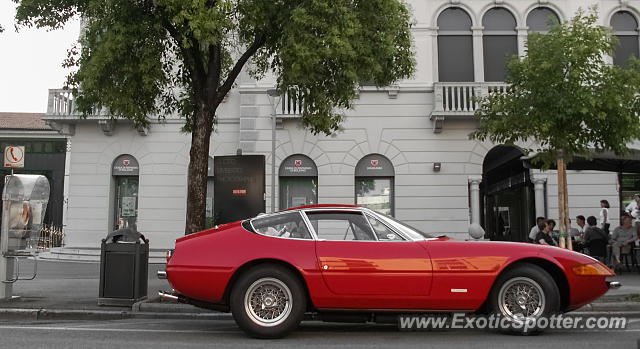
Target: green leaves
[139,58]
[564,95]
[328,47]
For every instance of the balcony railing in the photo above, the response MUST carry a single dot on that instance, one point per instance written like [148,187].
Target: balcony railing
[459,99]
[291,104]
[61,103]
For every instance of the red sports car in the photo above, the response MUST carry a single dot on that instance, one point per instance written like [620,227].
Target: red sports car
[345,263]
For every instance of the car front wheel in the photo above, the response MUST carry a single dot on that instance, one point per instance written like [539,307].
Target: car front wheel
[268,301]
[523,295]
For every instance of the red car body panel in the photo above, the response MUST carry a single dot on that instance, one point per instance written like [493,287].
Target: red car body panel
[433,274]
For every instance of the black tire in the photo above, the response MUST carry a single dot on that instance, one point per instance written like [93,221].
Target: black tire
[276,283]
[539,281]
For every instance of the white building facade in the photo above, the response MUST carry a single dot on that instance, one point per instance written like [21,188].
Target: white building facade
[404,148]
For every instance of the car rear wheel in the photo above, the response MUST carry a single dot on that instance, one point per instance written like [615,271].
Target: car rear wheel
[268,301]
[523,295]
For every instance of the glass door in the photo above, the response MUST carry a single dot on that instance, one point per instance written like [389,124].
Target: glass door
[126,202]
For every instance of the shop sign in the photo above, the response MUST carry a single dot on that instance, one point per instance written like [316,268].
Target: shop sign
[298,166]
[374,165]
[125,165]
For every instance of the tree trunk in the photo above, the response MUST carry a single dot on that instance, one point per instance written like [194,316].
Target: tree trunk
[562,199]
[198,171]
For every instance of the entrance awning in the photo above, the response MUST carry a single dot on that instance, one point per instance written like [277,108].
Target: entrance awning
[599,161]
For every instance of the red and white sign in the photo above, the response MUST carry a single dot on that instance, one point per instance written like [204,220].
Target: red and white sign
[14,156]
[126,162]
[298,163]
[239,192]
[374,163]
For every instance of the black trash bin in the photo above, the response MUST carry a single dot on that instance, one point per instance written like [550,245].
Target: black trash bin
[124,262]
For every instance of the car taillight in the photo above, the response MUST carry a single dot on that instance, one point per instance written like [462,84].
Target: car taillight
[169,254]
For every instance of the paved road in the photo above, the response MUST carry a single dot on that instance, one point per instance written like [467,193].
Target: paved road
[145,333]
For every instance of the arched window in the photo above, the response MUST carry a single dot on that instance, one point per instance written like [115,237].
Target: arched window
[125,171]
[541,19]
[625,27]
[374,183]
[500,42]
[455,46]
[298,182]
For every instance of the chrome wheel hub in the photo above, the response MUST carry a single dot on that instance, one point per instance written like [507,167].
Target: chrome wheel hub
[268,302]
[521,298]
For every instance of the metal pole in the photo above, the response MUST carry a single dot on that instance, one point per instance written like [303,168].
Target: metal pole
[6,264]
[274,98]
[273,158]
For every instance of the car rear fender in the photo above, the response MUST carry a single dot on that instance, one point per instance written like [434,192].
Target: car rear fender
[247,266]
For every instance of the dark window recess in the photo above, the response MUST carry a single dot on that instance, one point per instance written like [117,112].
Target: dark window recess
[625,27]
[541,19]
[455,46]
[455,58]
[500,42]
[498,50]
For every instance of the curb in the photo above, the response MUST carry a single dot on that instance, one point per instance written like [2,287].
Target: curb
[611,307]
[59,314]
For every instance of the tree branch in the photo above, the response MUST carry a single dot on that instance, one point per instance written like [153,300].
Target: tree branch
[237,68]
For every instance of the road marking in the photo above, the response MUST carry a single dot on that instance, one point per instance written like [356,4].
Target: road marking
[84,329]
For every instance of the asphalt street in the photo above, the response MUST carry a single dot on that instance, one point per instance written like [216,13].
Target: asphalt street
[154,333]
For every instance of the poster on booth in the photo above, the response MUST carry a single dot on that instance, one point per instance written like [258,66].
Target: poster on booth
[14,156]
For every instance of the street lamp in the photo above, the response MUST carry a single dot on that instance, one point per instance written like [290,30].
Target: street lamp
[274,98]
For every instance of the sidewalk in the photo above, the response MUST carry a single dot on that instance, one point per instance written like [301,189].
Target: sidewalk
[69,290]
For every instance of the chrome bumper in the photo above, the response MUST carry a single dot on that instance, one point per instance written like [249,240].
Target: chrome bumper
[613,285]
[162,274]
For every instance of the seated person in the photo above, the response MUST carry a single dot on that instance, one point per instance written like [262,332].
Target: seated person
[544,237]
[595,239]
[622,236]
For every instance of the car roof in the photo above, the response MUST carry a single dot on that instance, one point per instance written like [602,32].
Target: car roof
[323,206]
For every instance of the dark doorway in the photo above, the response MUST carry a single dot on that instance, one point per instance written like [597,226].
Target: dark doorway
[239,187]
[507,195]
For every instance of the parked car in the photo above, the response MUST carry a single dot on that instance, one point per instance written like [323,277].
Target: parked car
[346,262]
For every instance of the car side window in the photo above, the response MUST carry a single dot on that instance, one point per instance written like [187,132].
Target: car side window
[286,225]
[341,226]
[382,231]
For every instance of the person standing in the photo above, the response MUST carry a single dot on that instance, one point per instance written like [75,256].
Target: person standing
[536,229]
[544,237]
[622,236]
[580,221]
[604,216]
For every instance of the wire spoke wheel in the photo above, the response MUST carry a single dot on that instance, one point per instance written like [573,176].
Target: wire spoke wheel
[521,298]
[268,302]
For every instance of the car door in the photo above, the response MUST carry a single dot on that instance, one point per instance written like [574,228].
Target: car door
[356,259]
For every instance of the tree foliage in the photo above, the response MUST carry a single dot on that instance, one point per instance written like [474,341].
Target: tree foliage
[140,58]
[564,95]
[150,58]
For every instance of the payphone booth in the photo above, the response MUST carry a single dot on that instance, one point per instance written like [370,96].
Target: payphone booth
[24,203]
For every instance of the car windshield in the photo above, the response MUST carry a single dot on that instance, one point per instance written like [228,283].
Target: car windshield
[414,233]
